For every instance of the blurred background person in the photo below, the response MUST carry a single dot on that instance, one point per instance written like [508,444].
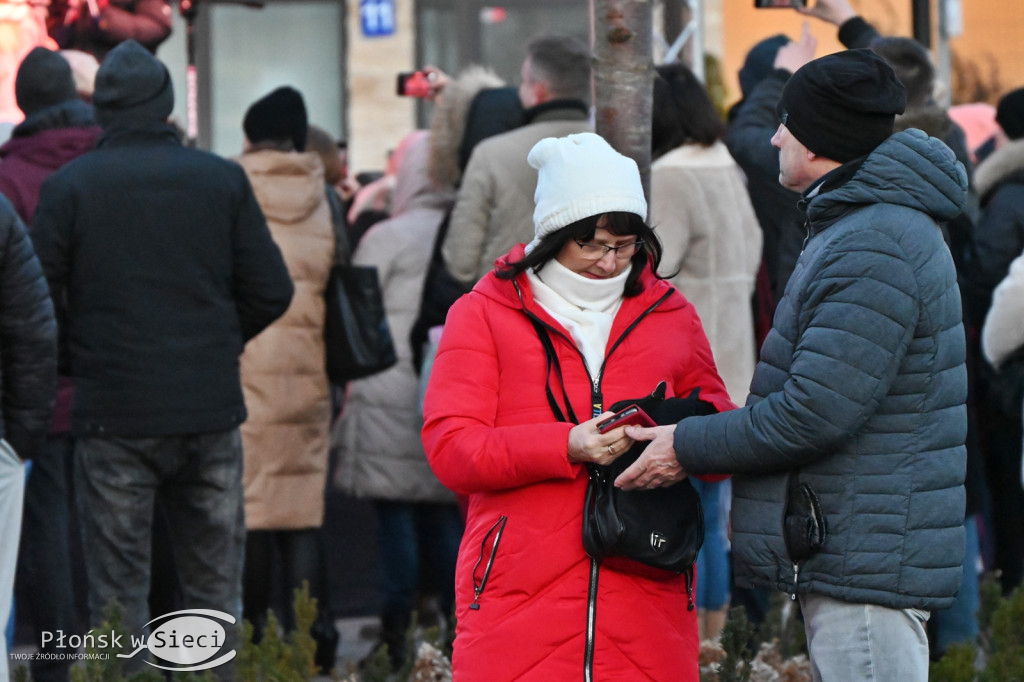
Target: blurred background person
[83,69]
[28,335]
[284,377]
[998,239]
[701,211]
[58,127]
[22,27]
[494,206]
[380,453]
[97,26]
[751,123]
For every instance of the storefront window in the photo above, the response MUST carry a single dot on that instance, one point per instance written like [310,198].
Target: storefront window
[249,52]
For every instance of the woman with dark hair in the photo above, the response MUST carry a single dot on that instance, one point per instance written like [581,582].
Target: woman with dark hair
[703,215]
[566,325]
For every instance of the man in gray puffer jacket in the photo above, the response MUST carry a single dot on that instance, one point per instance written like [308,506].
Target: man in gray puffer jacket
[849,456]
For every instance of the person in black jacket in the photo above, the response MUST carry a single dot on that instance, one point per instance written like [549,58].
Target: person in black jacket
[999,239]
[28,357]
[751,123]
[163,264]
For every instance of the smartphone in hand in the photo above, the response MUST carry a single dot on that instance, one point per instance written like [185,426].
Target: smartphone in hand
[631,415]
[414,84]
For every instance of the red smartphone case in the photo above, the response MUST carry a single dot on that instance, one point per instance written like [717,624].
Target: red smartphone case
[631,415]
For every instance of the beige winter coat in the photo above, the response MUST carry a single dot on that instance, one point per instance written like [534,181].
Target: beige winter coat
[494,208]
[701,211]
[380,454]
[285,438]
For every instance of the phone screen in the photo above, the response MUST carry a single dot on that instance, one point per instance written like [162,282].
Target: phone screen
[768,4]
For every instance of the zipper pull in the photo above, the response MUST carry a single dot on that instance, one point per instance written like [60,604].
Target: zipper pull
[689,590]
[796,577]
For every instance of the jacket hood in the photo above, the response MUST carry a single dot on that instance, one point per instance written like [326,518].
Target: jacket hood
[73,114]
[503,291]
[909,169]
[448,125]
[1004,162]
[52,148]
[288,185]
[413,187]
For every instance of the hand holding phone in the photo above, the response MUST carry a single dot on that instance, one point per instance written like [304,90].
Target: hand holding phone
[414,84]
[631,415]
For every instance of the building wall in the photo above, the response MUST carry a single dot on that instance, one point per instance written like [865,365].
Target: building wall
[377,117]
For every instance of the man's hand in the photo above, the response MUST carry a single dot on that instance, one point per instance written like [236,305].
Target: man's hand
[795,54]
[657,466]
[835,12]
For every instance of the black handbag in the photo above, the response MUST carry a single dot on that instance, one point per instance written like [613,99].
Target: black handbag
[661,527]
[356,333]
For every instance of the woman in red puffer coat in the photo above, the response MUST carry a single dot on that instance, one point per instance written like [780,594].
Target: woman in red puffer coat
[528,606]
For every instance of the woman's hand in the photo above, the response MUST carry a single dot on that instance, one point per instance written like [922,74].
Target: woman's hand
[587,444]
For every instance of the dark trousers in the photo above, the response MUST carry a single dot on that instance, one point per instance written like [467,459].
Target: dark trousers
[1001,440]
[197,479]
[277,562]
[45,588]
[418,544]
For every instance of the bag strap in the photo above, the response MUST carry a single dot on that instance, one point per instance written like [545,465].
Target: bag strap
[553,363]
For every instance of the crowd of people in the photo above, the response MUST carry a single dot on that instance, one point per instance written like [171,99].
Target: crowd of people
[835,267]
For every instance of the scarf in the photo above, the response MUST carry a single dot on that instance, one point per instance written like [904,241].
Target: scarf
[585,307]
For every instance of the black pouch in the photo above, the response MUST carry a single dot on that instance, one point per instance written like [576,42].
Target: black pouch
[805,526]
[661,527]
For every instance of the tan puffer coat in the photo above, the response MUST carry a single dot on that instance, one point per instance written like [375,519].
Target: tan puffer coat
[283,376]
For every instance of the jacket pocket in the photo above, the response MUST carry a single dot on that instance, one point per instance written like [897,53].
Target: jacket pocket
[805,528]
[485,562]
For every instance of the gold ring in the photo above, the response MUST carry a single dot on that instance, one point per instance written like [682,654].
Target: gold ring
[611,450]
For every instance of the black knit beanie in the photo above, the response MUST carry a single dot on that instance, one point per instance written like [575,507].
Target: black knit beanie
[1010,114]
[841,106]
[44,79]
[132,85]
[281,115]
[760,62]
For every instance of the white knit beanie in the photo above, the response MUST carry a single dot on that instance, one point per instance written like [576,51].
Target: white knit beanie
[579,176]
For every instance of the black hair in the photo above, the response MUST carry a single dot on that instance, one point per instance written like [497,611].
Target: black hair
[563,62]
[682,111]
[619,223]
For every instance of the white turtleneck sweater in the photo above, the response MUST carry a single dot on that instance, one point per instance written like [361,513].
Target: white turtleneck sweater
[585,307]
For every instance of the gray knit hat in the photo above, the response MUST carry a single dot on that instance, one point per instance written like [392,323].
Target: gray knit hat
[132,85]
[43,80]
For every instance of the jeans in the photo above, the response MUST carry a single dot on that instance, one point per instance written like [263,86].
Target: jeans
[197,478]
[417,539]
[45,585]
[12,491]
[864,642]
[712,591]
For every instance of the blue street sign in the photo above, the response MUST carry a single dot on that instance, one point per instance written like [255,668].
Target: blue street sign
[377,17]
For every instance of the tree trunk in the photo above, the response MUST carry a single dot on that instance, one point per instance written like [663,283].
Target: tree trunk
[623,77]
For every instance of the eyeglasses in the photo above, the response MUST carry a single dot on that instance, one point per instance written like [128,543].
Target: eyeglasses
[598,251]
